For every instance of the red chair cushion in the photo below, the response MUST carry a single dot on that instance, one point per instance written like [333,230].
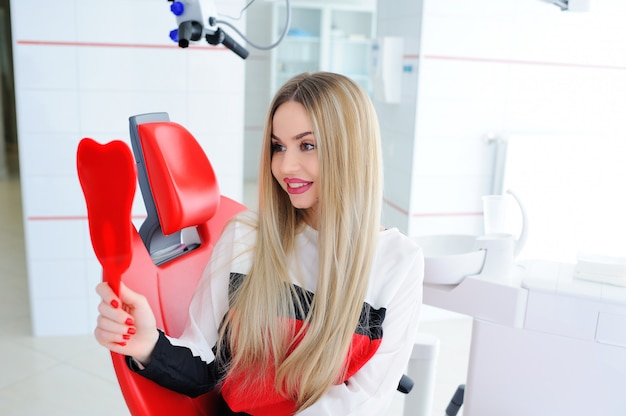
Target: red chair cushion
[183,184]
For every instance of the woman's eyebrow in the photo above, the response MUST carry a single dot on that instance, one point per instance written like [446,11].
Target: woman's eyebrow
[297,136]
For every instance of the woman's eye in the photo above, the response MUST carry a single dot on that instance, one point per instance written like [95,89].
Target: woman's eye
[307,146]
[277,147]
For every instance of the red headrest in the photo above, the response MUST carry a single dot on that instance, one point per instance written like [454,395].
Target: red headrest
[170,154]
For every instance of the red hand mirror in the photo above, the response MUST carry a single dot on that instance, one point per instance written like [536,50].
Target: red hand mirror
[108,176]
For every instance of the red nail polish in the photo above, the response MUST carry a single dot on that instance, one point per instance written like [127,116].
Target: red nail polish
[129,321]
[115,303]
[126,336]
[132,331]
[121,344]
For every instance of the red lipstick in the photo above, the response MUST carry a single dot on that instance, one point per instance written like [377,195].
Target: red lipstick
[297,186]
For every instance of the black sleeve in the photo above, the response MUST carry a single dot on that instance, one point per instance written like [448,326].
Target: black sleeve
[176,368]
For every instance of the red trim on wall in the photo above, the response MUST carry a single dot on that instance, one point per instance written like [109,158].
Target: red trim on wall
[391,204]
[116,45]
[431,214]
[407,56]
[513,61]
[396,207]
[221,48]
[448,214]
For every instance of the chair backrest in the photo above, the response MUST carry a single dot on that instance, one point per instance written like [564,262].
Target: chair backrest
[185,216]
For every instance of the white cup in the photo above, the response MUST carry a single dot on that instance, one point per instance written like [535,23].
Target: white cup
[495,214]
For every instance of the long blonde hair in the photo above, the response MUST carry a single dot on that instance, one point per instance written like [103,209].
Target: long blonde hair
[348,145]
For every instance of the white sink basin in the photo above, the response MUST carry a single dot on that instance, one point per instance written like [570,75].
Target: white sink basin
[449,258]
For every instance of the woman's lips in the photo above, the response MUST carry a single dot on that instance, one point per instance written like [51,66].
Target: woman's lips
[297,186]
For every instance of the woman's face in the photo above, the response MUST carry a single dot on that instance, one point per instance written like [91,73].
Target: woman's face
[294,157]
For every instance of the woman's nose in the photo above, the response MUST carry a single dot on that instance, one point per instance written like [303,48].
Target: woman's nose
[290,162]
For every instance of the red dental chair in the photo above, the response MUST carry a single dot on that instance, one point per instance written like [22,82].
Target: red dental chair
[185,216]
[165,258]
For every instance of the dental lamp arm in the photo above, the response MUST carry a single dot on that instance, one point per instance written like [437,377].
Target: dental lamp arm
[189,16]
[219,36]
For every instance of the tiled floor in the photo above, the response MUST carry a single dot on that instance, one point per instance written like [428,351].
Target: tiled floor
[72,376]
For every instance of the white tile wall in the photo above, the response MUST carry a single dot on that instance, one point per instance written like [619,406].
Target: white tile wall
[492,66]
[61,316]
[47,67]
[133,69]
[444,224]
[45,110]
[478,36]
[37,161]
[52,196]
[575,205]
[57,279]
[120,21]
[42,20]
[458,155]
[82,68]
[206,75]
[52,240]
[460,118]
[463,79]
[106,112]
[472,10]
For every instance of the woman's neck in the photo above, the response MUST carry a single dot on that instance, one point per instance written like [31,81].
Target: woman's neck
[311,218]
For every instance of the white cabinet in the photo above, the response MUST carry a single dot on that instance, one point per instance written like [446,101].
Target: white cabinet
[301,50]
[351,44]
[334,37]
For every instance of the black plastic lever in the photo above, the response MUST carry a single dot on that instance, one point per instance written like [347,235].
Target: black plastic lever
[219,36]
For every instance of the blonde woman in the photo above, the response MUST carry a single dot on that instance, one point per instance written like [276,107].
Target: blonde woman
[308,306]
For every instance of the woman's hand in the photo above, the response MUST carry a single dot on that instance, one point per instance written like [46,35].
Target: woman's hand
[127,325]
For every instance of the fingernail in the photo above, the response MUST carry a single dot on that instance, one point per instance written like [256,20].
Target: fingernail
[115,303]
[132,331]
[129,321]
[126,336]
[121,344]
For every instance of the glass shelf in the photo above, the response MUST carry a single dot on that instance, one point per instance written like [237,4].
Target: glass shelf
[328,37]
